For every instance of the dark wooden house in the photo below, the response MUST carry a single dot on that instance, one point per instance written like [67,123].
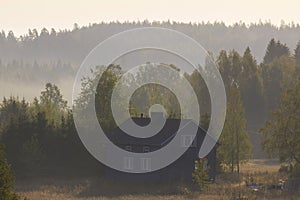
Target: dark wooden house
[180,170]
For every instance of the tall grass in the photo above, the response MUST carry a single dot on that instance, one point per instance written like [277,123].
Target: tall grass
[227,187]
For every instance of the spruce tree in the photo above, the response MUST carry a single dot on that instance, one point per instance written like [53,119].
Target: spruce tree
[275,49]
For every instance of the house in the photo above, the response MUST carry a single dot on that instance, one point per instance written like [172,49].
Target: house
[181,169]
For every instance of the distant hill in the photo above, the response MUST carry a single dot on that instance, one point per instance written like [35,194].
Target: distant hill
[71,46]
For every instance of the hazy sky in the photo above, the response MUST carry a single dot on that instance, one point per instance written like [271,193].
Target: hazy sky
[20,15]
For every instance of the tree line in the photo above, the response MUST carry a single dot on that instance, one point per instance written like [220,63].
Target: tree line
[48,45]
[40,136]
[34,72]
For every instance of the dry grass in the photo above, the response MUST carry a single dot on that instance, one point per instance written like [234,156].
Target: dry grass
[226,187]
[261,165]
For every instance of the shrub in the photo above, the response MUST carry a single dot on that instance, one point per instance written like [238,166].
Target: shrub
[200,175]
[6,179]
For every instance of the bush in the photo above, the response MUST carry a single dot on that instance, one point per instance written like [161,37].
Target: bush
[6,179]
[200,175]
[295,171]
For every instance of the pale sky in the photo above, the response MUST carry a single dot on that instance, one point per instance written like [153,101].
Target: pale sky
[20,15]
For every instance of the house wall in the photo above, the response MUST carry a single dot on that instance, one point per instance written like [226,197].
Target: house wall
[180,170]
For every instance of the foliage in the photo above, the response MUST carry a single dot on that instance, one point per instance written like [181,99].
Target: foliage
[46,46]
[41,136]
[150,94]
[277,75]
[104,86]
[235,145]
[52,104]
[251,88]
[281,134]
[244,72]
[31,154]
[297,53]
[200,175]
[275,49]
[29,130]
[6,179]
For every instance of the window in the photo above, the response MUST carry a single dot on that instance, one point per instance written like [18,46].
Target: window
[187,141]
[146,149]
[128,148]
[146,164]
[128,163]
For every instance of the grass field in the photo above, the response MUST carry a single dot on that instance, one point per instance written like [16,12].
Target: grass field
[226,187]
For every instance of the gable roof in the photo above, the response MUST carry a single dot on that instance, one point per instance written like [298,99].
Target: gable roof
[163,137]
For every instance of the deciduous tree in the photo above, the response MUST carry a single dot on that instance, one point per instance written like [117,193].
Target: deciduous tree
[281,134]
[235,145]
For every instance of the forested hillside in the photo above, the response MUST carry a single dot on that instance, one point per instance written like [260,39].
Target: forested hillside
[71,46]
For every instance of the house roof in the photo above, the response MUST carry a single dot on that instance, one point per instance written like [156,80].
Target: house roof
[163,137]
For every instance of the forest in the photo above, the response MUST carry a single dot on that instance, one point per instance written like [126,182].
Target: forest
[263,89]
[50,55]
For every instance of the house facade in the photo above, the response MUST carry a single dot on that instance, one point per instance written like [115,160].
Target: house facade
[180,170]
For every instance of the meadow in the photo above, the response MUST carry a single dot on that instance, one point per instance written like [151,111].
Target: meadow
[227,186]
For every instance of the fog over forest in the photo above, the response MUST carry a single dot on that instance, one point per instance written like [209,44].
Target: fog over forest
[29,61]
